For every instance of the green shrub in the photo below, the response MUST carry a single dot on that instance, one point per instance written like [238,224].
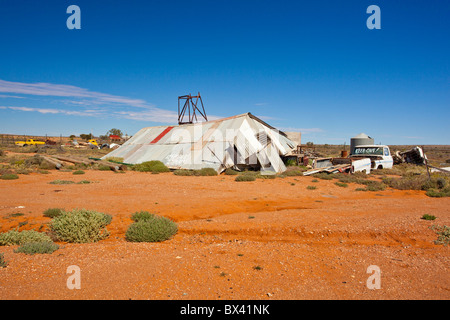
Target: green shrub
[183,172]
[293,173]
[84,182]
[372,185]
[155,229]
[151,166]
[311,187]
[61,182]
[9,176]
[81,226]
[23,171]
[44,165]
[108,218]
[142,215]
[266,175]
[341,184]
[323,176]
[78,172]
[245,177]
[290,163]
[443,233]
[37,247]
[3,263]
[352,178]
[205,172]
[428,217]
[436,193]
[231,172]
[102,167]
[53,212]
[14,237]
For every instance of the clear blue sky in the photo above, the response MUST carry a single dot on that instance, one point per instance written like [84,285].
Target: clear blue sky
[311,66]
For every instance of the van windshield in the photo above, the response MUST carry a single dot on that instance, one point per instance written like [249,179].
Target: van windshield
[368,150]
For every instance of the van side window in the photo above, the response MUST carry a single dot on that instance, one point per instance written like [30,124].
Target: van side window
[386,152]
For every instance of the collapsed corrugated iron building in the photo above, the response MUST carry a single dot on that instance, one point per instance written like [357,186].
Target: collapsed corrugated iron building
[240,142]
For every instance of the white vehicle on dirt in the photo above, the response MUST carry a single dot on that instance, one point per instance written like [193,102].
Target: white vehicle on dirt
[379,155]
[361,165]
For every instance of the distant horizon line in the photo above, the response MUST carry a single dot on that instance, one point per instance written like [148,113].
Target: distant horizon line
[321,144]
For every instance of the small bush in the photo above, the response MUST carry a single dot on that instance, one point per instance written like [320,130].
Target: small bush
[436,193]
[205,172]
[311,187]
[266,175]
[231,172]
[290,163]
[293,173]
[155,229]
[443,233]
[245,177]
[372,185]
[61,182]
[78,172]
[53,212]
[142,215]
[23,171]
[183,172]
[14,237]
[151,166]
[407,182]
[9,176]
[341,184]
[3,263]
[102,167]
[352,178]
[84,182]
[428,217]
[323,176]
[37,247]
[81,226]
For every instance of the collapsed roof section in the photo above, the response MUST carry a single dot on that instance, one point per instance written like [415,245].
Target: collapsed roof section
[242,141]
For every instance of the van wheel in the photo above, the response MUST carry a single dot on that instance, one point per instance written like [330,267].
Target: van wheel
[380,167]
[25,145]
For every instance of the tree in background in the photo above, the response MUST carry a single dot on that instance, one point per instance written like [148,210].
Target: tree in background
[115,132]
[86,136]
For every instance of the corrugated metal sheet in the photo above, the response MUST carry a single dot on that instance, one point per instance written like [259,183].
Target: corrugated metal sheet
[220,144]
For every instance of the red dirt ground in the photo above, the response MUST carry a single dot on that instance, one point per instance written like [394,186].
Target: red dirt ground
[266,239]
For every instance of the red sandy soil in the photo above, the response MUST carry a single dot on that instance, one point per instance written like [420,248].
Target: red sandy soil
[265,239]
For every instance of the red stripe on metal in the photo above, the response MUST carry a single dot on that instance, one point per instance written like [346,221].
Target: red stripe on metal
[162,134]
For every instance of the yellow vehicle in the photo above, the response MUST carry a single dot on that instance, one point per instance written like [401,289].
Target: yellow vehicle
[29,142]
[93,141]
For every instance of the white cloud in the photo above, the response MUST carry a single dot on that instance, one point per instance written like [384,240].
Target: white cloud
[63,90]
[99,104]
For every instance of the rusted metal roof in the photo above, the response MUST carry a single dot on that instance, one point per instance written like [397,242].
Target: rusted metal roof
[242,140]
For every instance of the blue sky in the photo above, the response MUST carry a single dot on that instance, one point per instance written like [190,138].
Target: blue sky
[312,66]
